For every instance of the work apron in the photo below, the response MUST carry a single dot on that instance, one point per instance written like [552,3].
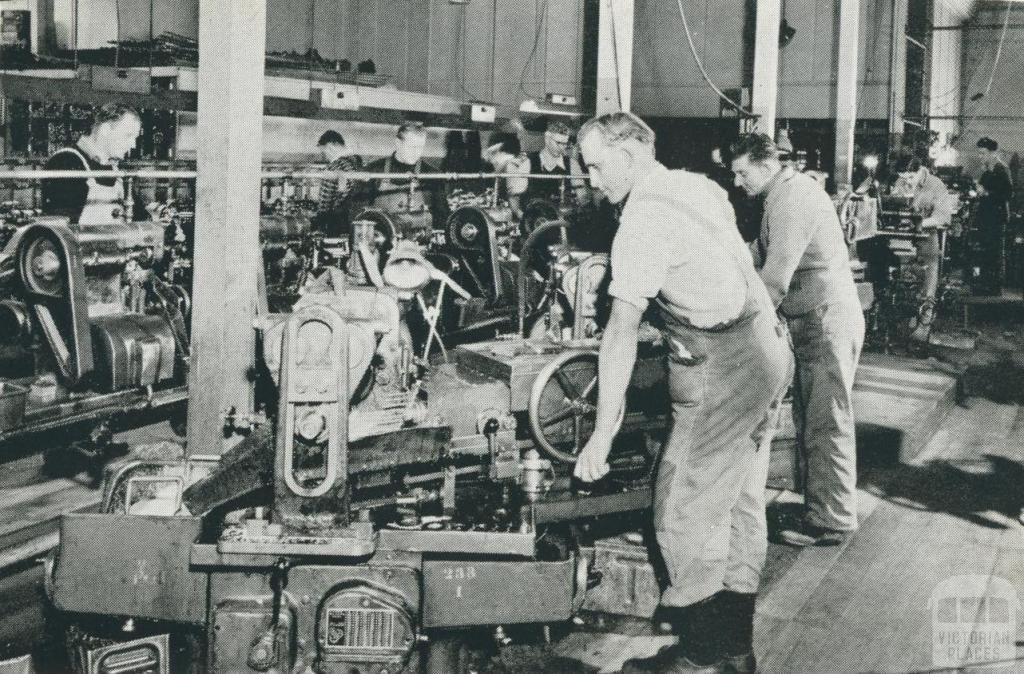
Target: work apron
[726,385]
[104,204]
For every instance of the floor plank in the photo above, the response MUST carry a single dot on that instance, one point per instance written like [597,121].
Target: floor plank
[47,507]
[870,611]
[785,599]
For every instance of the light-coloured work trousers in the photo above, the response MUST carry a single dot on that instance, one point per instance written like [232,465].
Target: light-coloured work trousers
[827,343]
[709,500]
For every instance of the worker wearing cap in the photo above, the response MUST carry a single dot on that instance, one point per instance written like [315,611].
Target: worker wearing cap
[995,187]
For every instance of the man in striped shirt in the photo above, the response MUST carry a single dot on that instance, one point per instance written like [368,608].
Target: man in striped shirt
[333,210]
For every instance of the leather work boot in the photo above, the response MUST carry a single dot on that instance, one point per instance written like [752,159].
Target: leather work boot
[671,660]
[698,649]
[736,628]
[806,535]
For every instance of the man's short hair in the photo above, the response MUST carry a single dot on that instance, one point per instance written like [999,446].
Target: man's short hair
[415,128]
[757,147]
[509,142]
[909,162]
[113,112]
[331,137]
[988,144]
[558,127]
[616,127]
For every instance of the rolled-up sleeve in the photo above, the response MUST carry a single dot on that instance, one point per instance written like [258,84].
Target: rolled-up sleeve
[643,252]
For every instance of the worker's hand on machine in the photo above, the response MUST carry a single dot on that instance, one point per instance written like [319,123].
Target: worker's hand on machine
[592,462]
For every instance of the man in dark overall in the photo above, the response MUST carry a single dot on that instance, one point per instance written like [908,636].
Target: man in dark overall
[729,366]
[550,160]
[994,190]
[394,195]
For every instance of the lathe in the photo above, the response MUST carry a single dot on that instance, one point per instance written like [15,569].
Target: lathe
[90,326]
[94,319]
[396,502]
[509,271]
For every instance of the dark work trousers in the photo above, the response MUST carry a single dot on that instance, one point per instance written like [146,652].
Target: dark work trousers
[726,385]
[991,257]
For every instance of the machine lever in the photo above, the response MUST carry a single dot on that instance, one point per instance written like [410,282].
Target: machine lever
[264,653]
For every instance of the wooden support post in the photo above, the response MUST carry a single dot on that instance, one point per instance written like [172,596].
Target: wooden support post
[846,88]
[227,255]
[764,99]
[898,68]
[614,56]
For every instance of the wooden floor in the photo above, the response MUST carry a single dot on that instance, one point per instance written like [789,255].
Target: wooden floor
[32,502]
[952,511]
[866,607]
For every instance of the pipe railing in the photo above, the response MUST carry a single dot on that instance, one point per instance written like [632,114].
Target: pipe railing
[45,174]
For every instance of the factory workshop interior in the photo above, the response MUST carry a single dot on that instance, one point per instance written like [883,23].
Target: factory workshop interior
[511,336]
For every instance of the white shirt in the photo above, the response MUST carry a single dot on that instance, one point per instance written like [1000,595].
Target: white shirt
[677,239]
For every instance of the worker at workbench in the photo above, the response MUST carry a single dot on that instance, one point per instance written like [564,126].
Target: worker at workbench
[933,201]
[551,160]
[115,129]
[333,201]
[394,195]
[805,264]
[505,155]
[729,365]
[995,187]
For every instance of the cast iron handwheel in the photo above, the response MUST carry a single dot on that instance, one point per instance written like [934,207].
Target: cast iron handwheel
[579,402]
[385,228]
[848,219]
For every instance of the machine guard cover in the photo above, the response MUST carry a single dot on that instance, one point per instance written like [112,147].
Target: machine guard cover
[129,565]
[465,593]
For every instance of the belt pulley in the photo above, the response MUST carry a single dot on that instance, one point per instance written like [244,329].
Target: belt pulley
[49,266]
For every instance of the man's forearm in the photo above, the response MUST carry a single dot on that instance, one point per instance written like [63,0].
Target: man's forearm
[777,283]
[615,369]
